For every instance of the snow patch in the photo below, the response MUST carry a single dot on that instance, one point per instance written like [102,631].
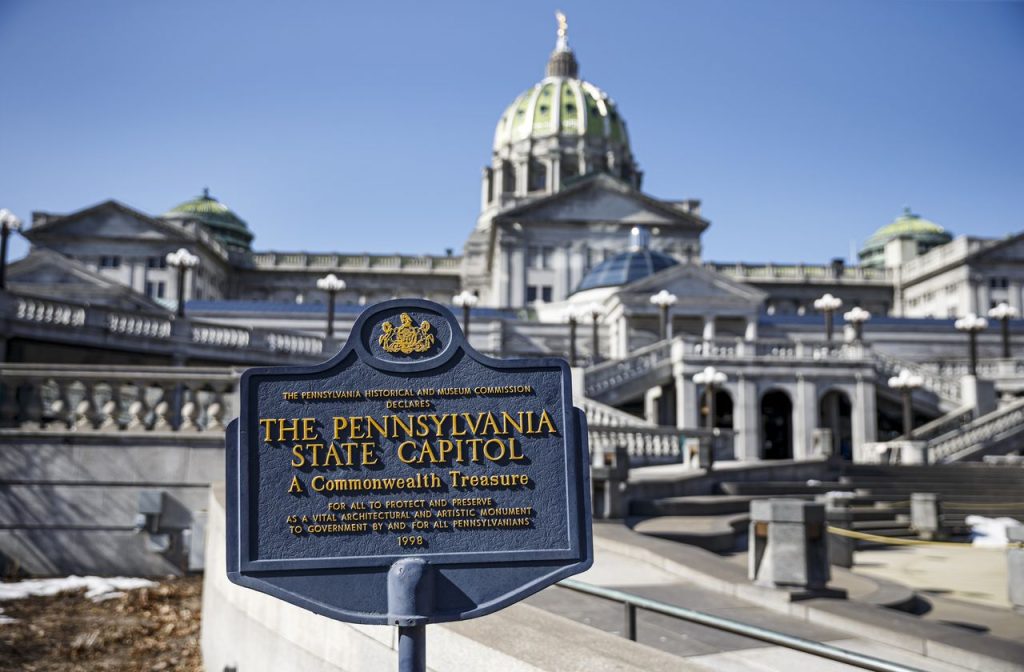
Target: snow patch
[96,588]
[6,619]
[990,532]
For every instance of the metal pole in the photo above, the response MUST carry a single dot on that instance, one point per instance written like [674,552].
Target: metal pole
[858,331]
[594,338]
[181,291]
[412,648]
[1006,337]
[629,612]
[4,232]
[330,313]
[664,321]
[572,341]
[709,401]
[908,414]
[973,346]
[465,320]
[828,326]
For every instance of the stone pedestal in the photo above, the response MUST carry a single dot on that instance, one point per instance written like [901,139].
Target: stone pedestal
[913,452]
[610,485]
[1015,567]
[838,514]
[822,442]
[979,393]
[788,545]
[926,515]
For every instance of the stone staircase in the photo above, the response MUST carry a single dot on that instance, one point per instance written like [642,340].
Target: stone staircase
[881,505]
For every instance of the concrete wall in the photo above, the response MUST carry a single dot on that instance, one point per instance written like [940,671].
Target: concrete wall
[68,502]
[254,632]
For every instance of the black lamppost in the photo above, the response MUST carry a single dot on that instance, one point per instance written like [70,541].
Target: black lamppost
[8,222]
[1004,313]
[828,304]
[571,316]
[594,310]
[972,324]
[711,378]
[331,284]
[465,300]
[182,260]
[906,383]
[664,300]
[857,316]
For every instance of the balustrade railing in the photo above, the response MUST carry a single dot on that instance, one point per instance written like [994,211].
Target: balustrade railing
[942,386]
[954,445]
[607,375]
[609,416]
[49,312]
[139,325]
[79,398]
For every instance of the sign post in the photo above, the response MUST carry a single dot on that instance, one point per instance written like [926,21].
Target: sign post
[409,479]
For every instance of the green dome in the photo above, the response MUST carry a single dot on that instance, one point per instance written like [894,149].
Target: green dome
[925,233]
[223,224]
[562,106]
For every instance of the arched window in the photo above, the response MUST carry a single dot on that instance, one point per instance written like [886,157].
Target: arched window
[538,176]
[489,182]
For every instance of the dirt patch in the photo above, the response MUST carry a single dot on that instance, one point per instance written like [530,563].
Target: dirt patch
[144,630]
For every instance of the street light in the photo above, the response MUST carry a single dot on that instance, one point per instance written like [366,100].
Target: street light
[710,378]
[465,300]
[906,382]
[1004,313]
[594,310]
[828,304]
[571,315]
[664,300]
[182,260]
[8,222]
[972,324]
[331,284]
[857,316]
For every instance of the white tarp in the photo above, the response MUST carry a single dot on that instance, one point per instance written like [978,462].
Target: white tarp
[990,532]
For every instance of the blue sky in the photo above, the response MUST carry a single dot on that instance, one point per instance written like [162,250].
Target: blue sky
[802,126]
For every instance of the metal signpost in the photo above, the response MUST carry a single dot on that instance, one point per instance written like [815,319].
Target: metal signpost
[408,480]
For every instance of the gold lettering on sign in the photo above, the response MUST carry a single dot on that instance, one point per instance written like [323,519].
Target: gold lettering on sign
[406,338]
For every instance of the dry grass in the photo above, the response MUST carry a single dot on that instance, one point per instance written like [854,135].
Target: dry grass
[150,629]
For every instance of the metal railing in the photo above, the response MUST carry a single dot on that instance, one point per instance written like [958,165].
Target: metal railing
[631,603]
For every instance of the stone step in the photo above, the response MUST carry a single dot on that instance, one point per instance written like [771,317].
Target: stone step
[698,505]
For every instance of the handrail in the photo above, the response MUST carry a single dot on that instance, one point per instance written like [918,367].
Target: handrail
[634,602]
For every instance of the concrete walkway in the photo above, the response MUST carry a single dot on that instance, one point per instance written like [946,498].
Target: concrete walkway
[702,646]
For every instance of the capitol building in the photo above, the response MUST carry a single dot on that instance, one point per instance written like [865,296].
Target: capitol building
[107,341]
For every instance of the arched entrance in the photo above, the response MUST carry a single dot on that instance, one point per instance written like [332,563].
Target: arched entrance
[722,408]
[776,426]
[835,412]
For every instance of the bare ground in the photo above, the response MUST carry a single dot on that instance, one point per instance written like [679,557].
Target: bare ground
[144,630]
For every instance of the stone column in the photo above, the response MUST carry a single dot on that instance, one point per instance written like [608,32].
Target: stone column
[686,402]
[652,405]
[621,346]
[806,418]
[864,420]
[517,277]
[983,297]
[503,295]
[750,333]
[747,420]
[709,328]
[1014,295]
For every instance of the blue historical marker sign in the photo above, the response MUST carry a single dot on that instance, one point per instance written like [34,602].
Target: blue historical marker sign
[409,479]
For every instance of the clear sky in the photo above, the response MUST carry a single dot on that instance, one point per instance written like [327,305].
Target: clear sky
[803,126]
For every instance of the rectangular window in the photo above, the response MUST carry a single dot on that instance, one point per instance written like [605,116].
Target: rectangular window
[156,262]
[110,262]
[531,293]
[155,290]
[545,294]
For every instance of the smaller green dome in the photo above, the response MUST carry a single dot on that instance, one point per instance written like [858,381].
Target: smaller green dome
[925,233]
[222,222]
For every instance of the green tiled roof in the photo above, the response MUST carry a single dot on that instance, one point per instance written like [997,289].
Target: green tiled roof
[223,224]
[926,233]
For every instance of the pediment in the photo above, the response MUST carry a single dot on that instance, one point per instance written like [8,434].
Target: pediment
[110,220]
[603,199]
[49,274]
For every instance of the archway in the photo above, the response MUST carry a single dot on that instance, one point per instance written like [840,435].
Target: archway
[722,408]
[835,412]
[776,426]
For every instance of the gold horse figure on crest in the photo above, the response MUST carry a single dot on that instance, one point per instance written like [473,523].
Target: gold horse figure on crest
[407,338]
